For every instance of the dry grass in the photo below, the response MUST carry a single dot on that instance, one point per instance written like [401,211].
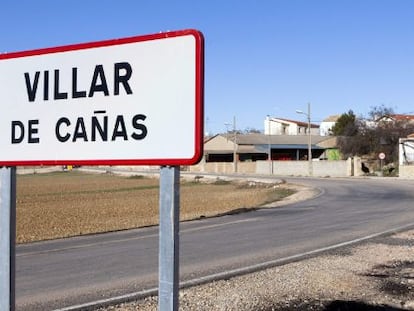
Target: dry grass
[67,204]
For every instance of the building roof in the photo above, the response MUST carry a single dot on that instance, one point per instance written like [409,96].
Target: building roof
[262,139]
[333,118]
[397,117]
[258,143]
[402,117]
[300,123]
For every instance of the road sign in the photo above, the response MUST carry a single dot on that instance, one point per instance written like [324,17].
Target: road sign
[129,101]
[381,156]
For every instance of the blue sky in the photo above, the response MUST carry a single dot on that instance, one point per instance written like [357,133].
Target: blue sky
[261,57]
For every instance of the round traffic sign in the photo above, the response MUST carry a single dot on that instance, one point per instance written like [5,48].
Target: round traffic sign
[381,156]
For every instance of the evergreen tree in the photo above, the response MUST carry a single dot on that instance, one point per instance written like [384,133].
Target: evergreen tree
[346,125]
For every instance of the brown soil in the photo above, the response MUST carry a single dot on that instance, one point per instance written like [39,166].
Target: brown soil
[63,204]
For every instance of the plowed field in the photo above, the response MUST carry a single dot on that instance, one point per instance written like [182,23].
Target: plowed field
[68,204]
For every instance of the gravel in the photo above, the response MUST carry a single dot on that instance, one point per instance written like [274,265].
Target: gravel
[378,275]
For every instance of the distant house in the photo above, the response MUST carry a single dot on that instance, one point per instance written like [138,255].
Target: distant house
[396,118]
[279,126]
[378,121]
[325,129]
[402,121]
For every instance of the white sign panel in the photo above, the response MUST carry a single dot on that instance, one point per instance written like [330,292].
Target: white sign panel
[128,101]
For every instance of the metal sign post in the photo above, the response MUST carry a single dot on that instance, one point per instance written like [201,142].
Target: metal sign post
[169,238]
[381,156]
[7,237]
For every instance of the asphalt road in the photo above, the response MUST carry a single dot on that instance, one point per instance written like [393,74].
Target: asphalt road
[57,274]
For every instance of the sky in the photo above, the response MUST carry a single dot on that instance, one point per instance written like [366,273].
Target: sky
[268,57]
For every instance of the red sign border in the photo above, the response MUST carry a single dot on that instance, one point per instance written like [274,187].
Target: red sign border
[199,100]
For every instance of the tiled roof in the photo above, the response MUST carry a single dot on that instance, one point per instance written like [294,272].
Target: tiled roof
[396,117]
[402,117]
[333,118]
[300,123]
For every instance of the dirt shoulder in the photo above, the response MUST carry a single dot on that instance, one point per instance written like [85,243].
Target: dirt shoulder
[302,193]
[377,275]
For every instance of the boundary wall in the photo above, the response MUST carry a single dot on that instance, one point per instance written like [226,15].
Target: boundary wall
[406,171]
[340,168]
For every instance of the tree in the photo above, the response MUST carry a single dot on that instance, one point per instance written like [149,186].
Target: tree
[346,125]
[379,112]
[357,145]
[387,135]
[362,138]
[251,130]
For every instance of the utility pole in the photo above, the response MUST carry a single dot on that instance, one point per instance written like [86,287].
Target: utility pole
[308,115]
[269,146]
[234,142]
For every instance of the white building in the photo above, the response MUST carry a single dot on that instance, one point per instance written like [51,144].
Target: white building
[406,151]
[279,126]
[326,126]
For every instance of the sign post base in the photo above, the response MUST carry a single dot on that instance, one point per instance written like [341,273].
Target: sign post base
[7,237]
[169,238]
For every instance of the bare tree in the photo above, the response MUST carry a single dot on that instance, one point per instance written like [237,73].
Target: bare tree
[381,134]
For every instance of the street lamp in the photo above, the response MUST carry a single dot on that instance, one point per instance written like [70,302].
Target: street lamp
[308,115]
